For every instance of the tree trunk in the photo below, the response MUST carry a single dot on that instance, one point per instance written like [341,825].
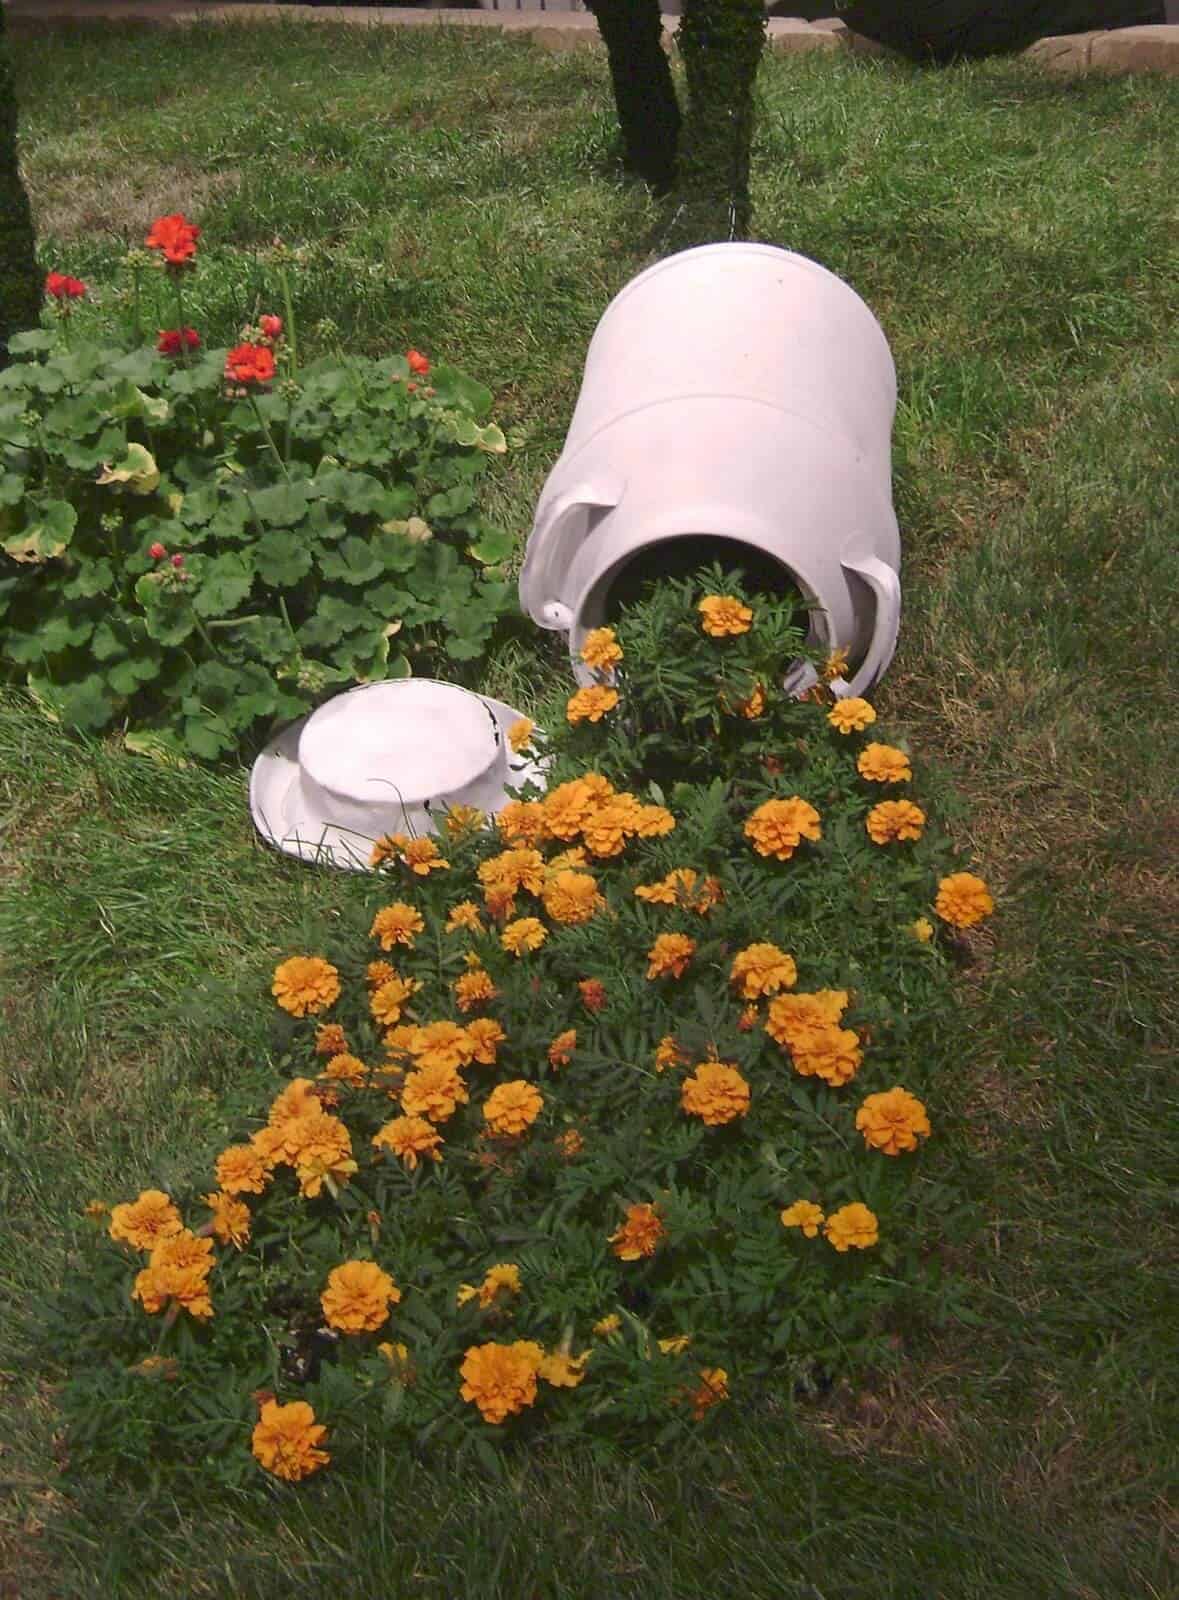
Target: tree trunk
[648,113]
[20,281]
[721,42]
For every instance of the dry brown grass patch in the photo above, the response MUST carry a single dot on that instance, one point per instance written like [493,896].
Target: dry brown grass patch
[74,204]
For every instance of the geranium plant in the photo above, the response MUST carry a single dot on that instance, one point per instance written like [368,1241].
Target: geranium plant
[612,1111]
[197,541]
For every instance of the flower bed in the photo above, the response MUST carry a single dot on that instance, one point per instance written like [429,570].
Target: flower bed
[611,1111]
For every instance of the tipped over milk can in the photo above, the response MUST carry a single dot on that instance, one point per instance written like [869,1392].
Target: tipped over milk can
[737,406]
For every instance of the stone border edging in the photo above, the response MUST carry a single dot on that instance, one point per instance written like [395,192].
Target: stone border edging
[1154,48]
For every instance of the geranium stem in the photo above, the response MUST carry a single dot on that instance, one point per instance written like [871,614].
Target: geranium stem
[262,423]
[288,306]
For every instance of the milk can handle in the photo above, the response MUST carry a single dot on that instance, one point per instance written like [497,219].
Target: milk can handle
[546,562]
[886,588]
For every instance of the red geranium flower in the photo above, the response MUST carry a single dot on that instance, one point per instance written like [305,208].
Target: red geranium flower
[62,287]
[271,326]
[417,362]
[172,339]
[175,237]
[249,363]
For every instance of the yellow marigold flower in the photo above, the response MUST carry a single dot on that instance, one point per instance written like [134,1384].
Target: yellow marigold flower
[378,972]
[358,1297]
[714,1387]
[485,1035]
[321,1151]
[605,1326]
[399,1039]
[639,1235]
[409,1139]
[893,1121]
[95,1210]
[442,1044]
[520,733]
[679,888]
[883,763]
[670,954]
[527,933]
[521,822]
[851,1227]
[676,1345]
[345,1068]
[571,897]
[563,1370]
[669,1054]
[512,1107]
[305,984]
[835,665]
[500,1378]
[146,1221]
[593,994]
[591,704]
[464,915]
[561,1049]
[601,649]
[401,1368]
[723,616]
[794,1018]
[389,1000]
[177,1272]
[716,1093]
[462,820]
[434,1092]
[569,1144]
[922,930]
[566,807]
[330,1039]
[778,827]
[654,822]
[286,1440]
[230,1220]
[894,820]
[498,1282]
[474,988]
[268,1145]
[803,1214]
[832,1054]
[607,829]
[387,848]
[296,1100]
[962,900]
[422,857]
[396,924]
[852,715]
[513,870]
[762,969]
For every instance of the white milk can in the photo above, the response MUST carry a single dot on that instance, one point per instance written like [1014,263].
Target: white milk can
[737,405]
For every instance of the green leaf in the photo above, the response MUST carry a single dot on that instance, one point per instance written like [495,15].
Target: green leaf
[34,339]
[106,643]
[167,613]
[355,561]
[80,705]
[224,584]
[282,505]
[46,535]
[455,388]
[358,491]
[334,617]
[207,739]
[497,544]
[12,488]
[126,676]
[281,559]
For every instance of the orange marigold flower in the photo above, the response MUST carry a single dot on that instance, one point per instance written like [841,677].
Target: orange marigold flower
[434,1092]
[639,1235]
[268,1145]
[716,1093]
[562,1047]
[654,822]
[305,984]
[358,1297]
[396,924]
[177,1273]
[286,1440]
[485,1035]
[572,897]
[762,969]
[714,1387]
[513,870]
[442,1044]
[962,900]
[605,1326]
[676,1345]
[922,930]
[464,915]
[320,1150]
[679,887]
[593,994]
[794,1018]
[463,820]
[498,1282]
[512,1107]
[146,1221]
[852,715]
[330,1039]
[527,933]
[387,848]
[474,988]
[520,733]
[778,826]
[569,1144]
[883,763]
[601,649]
[835,665]
[755,705]
[298,1098]
[749,1019]
[389,1000]
[669,1054]
[893,1121]
[500,1378]
[590,704]
[231,1219]
[894,820]
[422,857]
[378,972]
[670,954]
[851,1227]
[609,826]
[242,1170]
[723,616]
[410,1139]
[567,806]
[345,1068]
[832,1054]
[803,1214]
[563,1370]
[522,822]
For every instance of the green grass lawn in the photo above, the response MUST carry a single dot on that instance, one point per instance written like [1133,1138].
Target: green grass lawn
[458,191]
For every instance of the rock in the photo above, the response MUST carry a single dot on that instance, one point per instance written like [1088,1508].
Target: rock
[1148,49]
[1062,52]
[790,34]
